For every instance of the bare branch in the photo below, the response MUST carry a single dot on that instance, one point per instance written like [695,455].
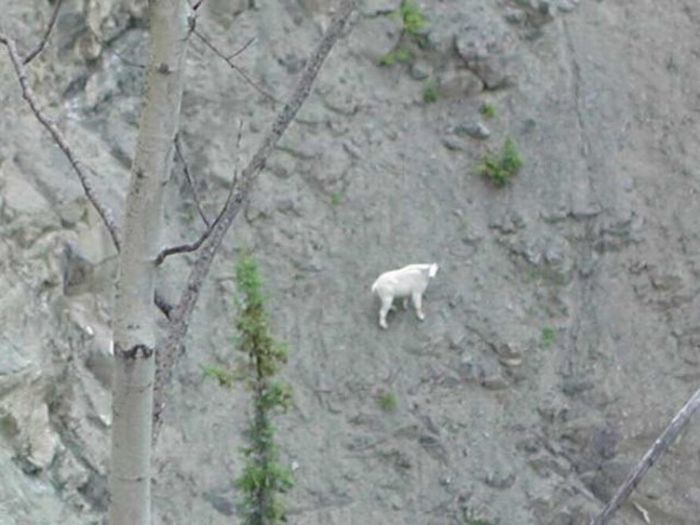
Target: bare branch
[57,135]
[40,46]
[232,64]
[242,49]
[186,248]
[190,181]
[662,443]
[240,134]
[28,95]
[162,304]
[173,346]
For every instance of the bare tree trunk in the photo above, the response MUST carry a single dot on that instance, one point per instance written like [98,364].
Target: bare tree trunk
[134,321]
[662,443]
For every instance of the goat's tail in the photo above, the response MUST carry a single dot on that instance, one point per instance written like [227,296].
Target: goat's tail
[374,286]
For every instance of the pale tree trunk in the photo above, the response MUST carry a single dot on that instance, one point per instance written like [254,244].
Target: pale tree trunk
[134,316]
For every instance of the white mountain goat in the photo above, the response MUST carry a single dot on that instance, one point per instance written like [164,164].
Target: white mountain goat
[409,281]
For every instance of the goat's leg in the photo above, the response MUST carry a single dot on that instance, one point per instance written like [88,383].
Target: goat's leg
[405,303]
[386,305]
[417,304]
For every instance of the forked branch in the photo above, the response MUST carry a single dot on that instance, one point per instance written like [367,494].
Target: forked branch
[42,43]
[59,139]
[233,65]
[173,346]
[188,248]
[192,247]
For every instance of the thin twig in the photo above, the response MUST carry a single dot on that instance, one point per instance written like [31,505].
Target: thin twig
[173,347]
[242,49]
[190,180]
[40,46]
[59,139]
[233,66]
[192,18]
[186,248]
[662,443]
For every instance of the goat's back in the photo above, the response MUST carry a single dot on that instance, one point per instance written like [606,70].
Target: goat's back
[404,281]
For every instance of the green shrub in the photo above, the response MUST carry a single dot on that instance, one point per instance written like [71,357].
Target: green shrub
[400,55]
[488,110]
[414,21]
[431,92]
[501,169]
[387,401]
[549,336]
[413,25]
[224,377]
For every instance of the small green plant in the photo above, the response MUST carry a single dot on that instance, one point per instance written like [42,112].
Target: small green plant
[414,21]
[549,336]
[431,92]
[387,401]
[413,24]
[400,55]
[488,110]
[337,198]
[221,375]
[501,169]
[264,477]
[469,517]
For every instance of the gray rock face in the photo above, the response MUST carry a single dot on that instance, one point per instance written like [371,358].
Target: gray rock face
[486,47]
[561,334]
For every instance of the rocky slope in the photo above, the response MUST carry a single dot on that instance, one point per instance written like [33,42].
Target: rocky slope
[562,331]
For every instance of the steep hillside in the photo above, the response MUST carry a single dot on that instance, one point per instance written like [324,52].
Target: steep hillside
[562,331]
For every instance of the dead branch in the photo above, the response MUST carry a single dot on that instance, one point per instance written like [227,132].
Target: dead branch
[42,43]
[28,95]
[187,248]
[59,139]
[190,180]
[173,346]
[232,64]
[242,49]
[660,446]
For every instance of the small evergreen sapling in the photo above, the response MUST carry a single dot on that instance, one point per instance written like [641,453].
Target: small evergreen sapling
[264,477]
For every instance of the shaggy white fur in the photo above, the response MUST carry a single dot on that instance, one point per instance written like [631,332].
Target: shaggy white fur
[409,281]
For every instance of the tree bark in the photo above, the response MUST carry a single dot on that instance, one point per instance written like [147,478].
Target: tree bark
[662,443]
[134,319]
[174,347]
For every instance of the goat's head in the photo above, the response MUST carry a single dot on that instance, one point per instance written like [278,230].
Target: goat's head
[432,270]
